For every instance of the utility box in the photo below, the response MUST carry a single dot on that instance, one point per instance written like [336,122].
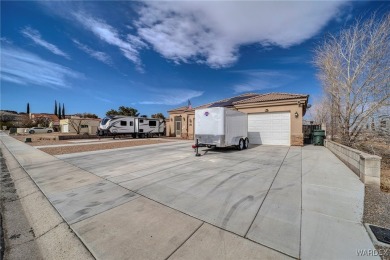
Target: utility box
[221,127]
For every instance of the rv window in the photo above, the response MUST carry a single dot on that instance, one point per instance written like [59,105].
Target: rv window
[152,123]
[123,123]
[131,123]
[105,120]
[141,120]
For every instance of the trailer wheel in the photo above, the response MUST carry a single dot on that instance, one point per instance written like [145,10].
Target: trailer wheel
[240,144]
[246,143]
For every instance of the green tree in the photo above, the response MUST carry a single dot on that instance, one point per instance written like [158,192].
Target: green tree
[59,111]
[123,111]
[63,110]
[158,115]
[86,115]
[28,108]
[55,107]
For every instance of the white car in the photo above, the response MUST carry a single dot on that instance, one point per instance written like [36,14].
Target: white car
[38,130]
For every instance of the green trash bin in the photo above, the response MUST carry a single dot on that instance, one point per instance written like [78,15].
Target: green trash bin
[318,137]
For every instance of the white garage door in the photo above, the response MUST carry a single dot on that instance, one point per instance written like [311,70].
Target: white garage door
[269,128]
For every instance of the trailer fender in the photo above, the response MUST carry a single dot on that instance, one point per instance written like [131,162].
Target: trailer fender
[236,140]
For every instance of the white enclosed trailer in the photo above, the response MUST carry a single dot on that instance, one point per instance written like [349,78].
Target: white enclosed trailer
[221,127]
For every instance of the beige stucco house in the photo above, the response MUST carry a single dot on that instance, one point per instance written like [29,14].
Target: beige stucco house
[86,125]
[273,118]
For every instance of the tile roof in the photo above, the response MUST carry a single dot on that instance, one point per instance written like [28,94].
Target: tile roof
[179,108]
[270,97]
[52,117]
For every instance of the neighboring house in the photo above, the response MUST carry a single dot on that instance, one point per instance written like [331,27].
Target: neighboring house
[85,125]
[273,118]
[51,119]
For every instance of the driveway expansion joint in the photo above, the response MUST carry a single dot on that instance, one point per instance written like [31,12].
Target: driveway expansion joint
[265,197]
[185,241]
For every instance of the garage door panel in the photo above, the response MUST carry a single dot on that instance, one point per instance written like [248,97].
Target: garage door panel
[269,128]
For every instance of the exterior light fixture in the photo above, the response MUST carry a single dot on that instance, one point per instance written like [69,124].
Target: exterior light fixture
[296,114]
[266,110]
[171,119]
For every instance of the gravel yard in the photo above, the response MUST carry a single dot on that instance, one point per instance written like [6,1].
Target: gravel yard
[56,147]
[101,146]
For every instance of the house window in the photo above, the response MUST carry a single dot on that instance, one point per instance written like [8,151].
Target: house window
[141,120]
[152,123]
[84,126]
[383,124]
[123,123]
[131,123]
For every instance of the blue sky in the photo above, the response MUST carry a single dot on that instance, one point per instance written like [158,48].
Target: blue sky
[155,55]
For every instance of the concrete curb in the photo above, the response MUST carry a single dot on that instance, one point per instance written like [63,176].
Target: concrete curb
[32,226]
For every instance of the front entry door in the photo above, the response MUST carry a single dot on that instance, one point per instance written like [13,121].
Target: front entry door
[178,128]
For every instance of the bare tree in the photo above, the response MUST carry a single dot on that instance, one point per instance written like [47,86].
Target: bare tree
[354,67]
[42,121]
[320,111]
[76,124]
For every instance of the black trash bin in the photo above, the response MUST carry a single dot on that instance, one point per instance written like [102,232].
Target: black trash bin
[318,137]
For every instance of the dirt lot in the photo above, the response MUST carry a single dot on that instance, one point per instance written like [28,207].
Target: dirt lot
[77,145]
[101,146]
[378,146]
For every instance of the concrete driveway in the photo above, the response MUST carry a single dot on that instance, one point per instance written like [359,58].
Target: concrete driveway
[160,201]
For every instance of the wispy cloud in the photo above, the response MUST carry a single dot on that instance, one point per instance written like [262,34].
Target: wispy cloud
[101,56]
[212,32]
[5,40]
[37,38]
[255,80]
[105,100]
[170,96]
[25,68]
[111,36]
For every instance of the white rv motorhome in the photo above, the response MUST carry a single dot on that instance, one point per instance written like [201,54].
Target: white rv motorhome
[221,127]
[134,126]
